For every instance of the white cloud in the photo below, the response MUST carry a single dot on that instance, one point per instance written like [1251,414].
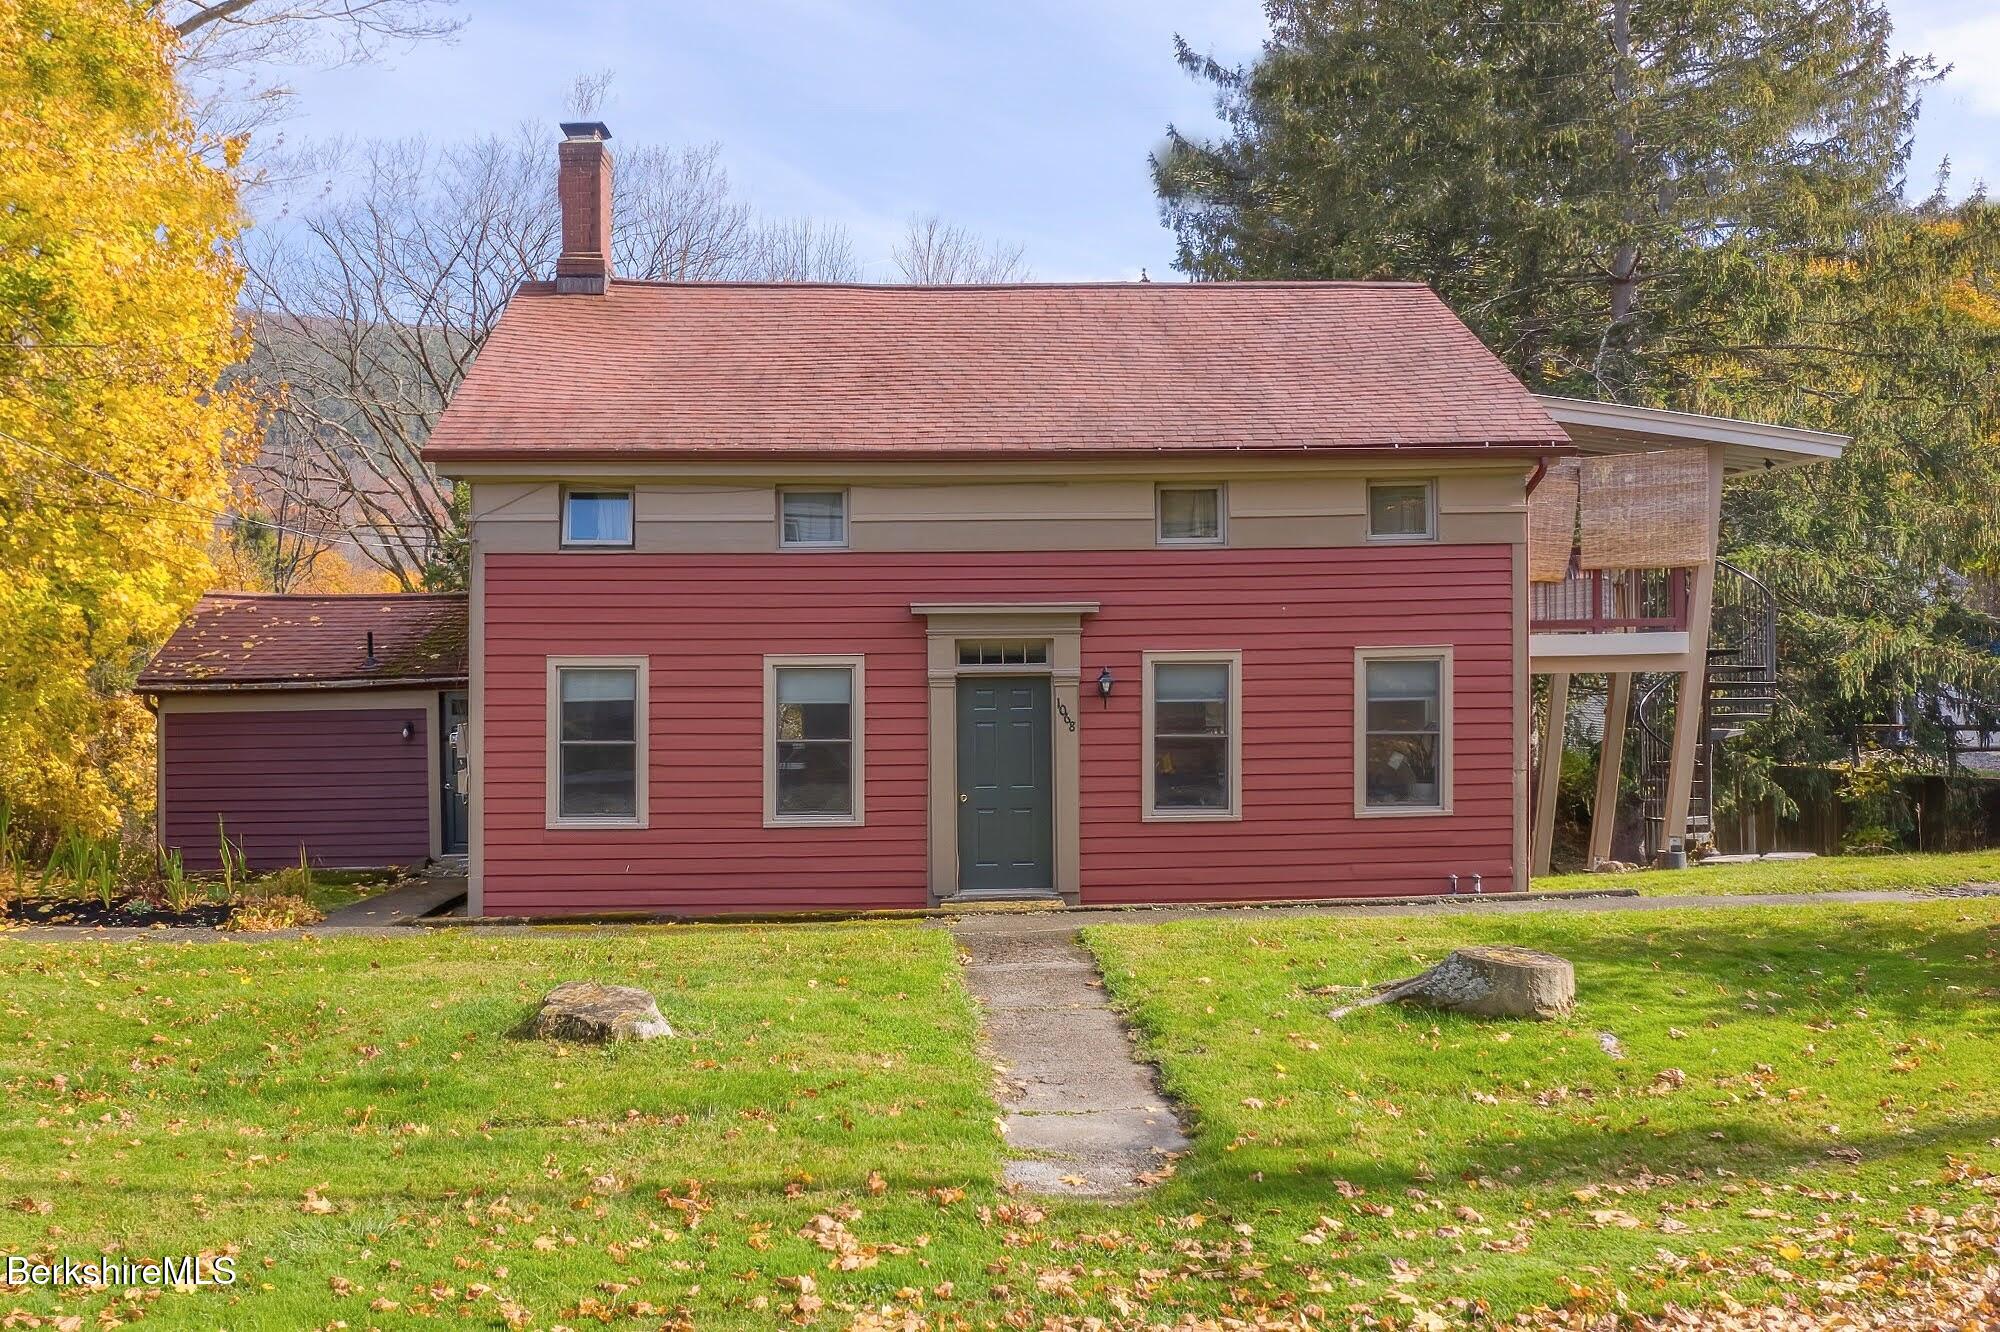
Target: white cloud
[1972,48]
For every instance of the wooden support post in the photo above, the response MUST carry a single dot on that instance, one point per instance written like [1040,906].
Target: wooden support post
[1688,708]
[1680,763]
[1610,763]
[1548,779]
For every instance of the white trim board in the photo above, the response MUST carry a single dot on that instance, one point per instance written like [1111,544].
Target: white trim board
[1661,643]
[1610,427]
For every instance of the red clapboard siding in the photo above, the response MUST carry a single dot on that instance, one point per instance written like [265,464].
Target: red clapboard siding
[707,621]
[342,783]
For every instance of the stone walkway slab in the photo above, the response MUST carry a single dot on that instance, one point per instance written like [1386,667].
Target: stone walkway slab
[1079,1104]
[418,897]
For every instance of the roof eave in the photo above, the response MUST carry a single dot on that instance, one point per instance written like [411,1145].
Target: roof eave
[446,458]
[1745,443]
[275,686]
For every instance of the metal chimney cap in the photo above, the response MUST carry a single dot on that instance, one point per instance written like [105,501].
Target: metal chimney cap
[586,129]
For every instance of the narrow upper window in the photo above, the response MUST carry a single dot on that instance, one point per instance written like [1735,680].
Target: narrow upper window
[1193,735]
[1003,654]
[1405,731]
[1401,511]
[597,728]
[812,518]
[1190,515]
[814,748]
[597,518]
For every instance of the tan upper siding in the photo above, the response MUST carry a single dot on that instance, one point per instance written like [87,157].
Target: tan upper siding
[1266,509]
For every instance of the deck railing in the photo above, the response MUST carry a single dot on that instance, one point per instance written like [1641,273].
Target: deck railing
[1609,601]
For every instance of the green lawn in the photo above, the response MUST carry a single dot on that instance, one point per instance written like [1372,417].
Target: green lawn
[339,888]
[206,1097]
[349,1118]
[1792,1084]
[1822,874]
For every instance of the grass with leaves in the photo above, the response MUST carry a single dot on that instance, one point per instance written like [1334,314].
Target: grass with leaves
[1821,874]
[1788,1084]
[351,1119]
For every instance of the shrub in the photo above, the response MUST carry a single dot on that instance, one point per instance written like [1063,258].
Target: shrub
[291,881]
[278,911]
[180,893]
[235,865]
[83,864]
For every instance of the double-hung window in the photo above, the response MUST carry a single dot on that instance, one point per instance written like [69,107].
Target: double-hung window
[812,519]
[1194,735]
[595,517]
[813,761]
[1402,730]
[1188,515]
[597,741]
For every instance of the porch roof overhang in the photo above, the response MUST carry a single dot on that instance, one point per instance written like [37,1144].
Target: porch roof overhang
[1747,446]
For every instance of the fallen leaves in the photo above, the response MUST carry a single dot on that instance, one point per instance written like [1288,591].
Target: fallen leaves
[1612,1217]
[688,1202]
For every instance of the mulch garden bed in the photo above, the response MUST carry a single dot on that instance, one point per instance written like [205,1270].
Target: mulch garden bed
[124,912]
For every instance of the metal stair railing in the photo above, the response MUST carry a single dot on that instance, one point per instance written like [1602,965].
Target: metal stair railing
[1739,686]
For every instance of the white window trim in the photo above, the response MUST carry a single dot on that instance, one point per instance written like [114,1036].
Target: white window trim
[846,518]
[1446,759]
[642,750]
[1430,532]
[857,665]
[1233,659]
[571,543]
[1221,537]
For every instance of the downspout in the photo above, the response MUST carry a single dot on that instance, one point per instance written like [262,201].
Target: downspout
[1541,470]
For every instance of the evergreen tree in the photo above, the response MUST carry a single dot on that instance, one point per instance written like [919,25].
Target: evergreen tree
[1585,183]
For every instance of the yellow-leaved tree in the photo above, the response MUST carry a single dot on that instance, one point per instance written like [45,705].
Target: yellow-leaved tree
[117,321]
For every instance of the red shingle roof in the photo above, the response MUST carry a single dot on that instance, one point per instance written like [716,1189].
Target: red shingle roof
[674,369]
[238,639]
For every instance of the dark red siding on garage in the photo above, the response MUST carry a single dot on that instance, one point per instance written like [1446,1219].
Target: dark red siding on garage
[343,783]
[707,621]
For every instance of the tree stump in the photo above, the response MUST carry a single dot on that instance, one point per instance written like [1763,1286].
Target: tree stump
[1488,982]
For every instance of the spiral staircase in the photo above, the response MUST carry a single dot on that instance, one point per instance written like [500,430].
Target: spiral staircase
[1739,686]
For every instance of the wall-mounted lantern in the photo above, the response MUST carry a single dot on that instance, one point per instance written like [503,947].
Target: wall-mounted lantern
[1104,682]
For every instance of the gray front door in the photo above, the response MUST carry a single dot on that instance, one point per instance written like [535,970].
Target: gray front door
[1006,825]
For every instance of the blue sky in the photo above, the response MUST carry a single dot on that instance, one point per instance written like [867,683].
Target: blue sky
[1028,121]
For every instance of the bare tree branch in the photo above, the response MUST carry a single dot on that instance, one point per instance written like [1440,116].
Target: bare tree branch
[935,252]
[371,304]
[232,53]
[208,14]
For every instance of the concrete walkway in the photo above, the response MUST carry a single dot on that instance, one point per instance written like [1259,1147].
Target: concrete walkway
[418,897]
[1079,1102]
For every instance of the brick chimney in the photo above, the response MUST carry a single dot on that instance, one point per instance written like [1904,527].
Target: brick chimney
[583,190]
